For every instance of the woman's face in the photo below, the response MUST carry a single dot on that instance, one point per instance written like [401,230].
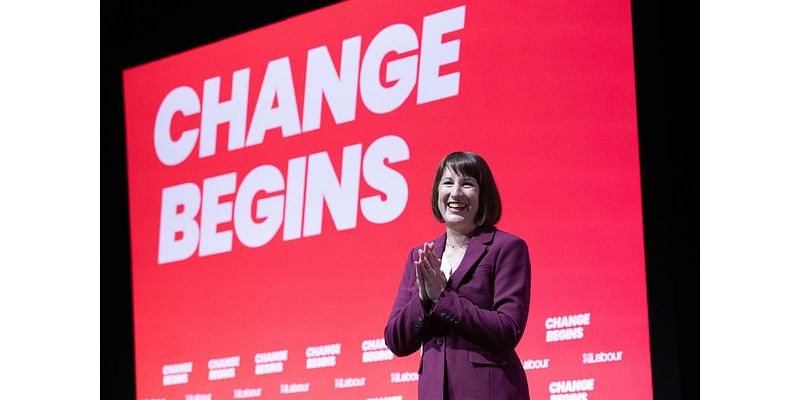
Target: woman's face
[458,200]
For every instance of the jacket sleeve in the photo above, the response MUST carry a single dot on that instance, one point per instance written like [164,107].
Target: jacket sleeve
[404,330]
[501,328]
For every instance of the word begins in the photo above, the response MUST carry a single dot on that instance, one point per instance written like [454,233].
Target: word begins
[190,217]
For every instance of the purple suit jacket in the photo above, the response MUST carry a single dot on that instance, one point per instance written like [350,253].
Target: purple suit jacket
[471,332]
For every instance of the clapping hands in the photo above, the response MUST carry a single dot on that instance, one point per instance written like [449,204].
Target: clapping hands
[431,281]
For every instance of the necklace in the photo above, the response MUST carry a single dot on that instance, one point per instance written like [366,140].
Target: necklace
[456,246]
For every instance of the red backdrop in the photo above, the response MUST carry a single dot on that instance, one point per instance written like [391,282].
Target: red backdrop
[279,178]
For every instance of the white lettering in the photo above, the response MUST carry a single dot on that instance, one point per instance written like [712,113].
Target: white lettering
[324,350]
[434,54]
[213,213]
[277,84]
[184,100]
[323,185]
[380,177]
[257,218]
[246,393]
[295,193]
[570,396]
[398,377]
[373,344]
[223,362]
[264,178]
[202,396]
[568,321]
[377,98]
[574,385]
[173,221]
[269,368]
[321,362]
[174,379]
[340,90]
[536,364]
[233,111]
[176,368]
[294,387]
[392,49]
[280,355]
[564,334]
[221,373]
[377,355]
[591,358]
[341,383]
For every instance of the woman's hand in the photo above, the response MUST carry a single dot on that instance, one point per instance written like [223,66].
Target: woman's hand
[429,273]
[423,294]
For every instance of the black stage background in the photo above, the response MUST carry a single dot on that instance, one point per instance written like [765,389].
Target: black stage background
[135,32]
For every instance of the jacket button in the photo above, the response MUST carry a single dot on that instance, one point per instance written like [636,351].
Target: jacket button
[439,340]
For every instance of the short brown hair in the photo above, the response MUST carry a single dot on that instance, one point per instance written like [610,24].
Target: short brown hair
[470,164]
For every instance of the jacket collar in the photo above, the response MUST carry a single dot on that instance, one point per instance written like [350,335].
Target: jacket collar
[476,248]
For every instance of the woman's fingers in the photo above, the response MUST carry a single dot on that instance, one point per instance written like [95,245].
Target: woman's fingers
[429,256]
[421,259]
[423,294]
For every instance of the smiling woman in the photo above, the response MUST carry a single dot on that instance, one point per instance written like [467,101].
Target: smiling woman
[464,297]
[474,172]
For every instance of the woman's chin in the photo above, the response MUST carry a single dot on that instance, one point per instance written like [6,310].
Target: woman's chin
[457,222]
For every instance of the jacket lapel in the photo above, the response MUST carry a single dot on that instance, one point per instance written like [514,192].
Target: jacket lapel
[478,246]
[438,245]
